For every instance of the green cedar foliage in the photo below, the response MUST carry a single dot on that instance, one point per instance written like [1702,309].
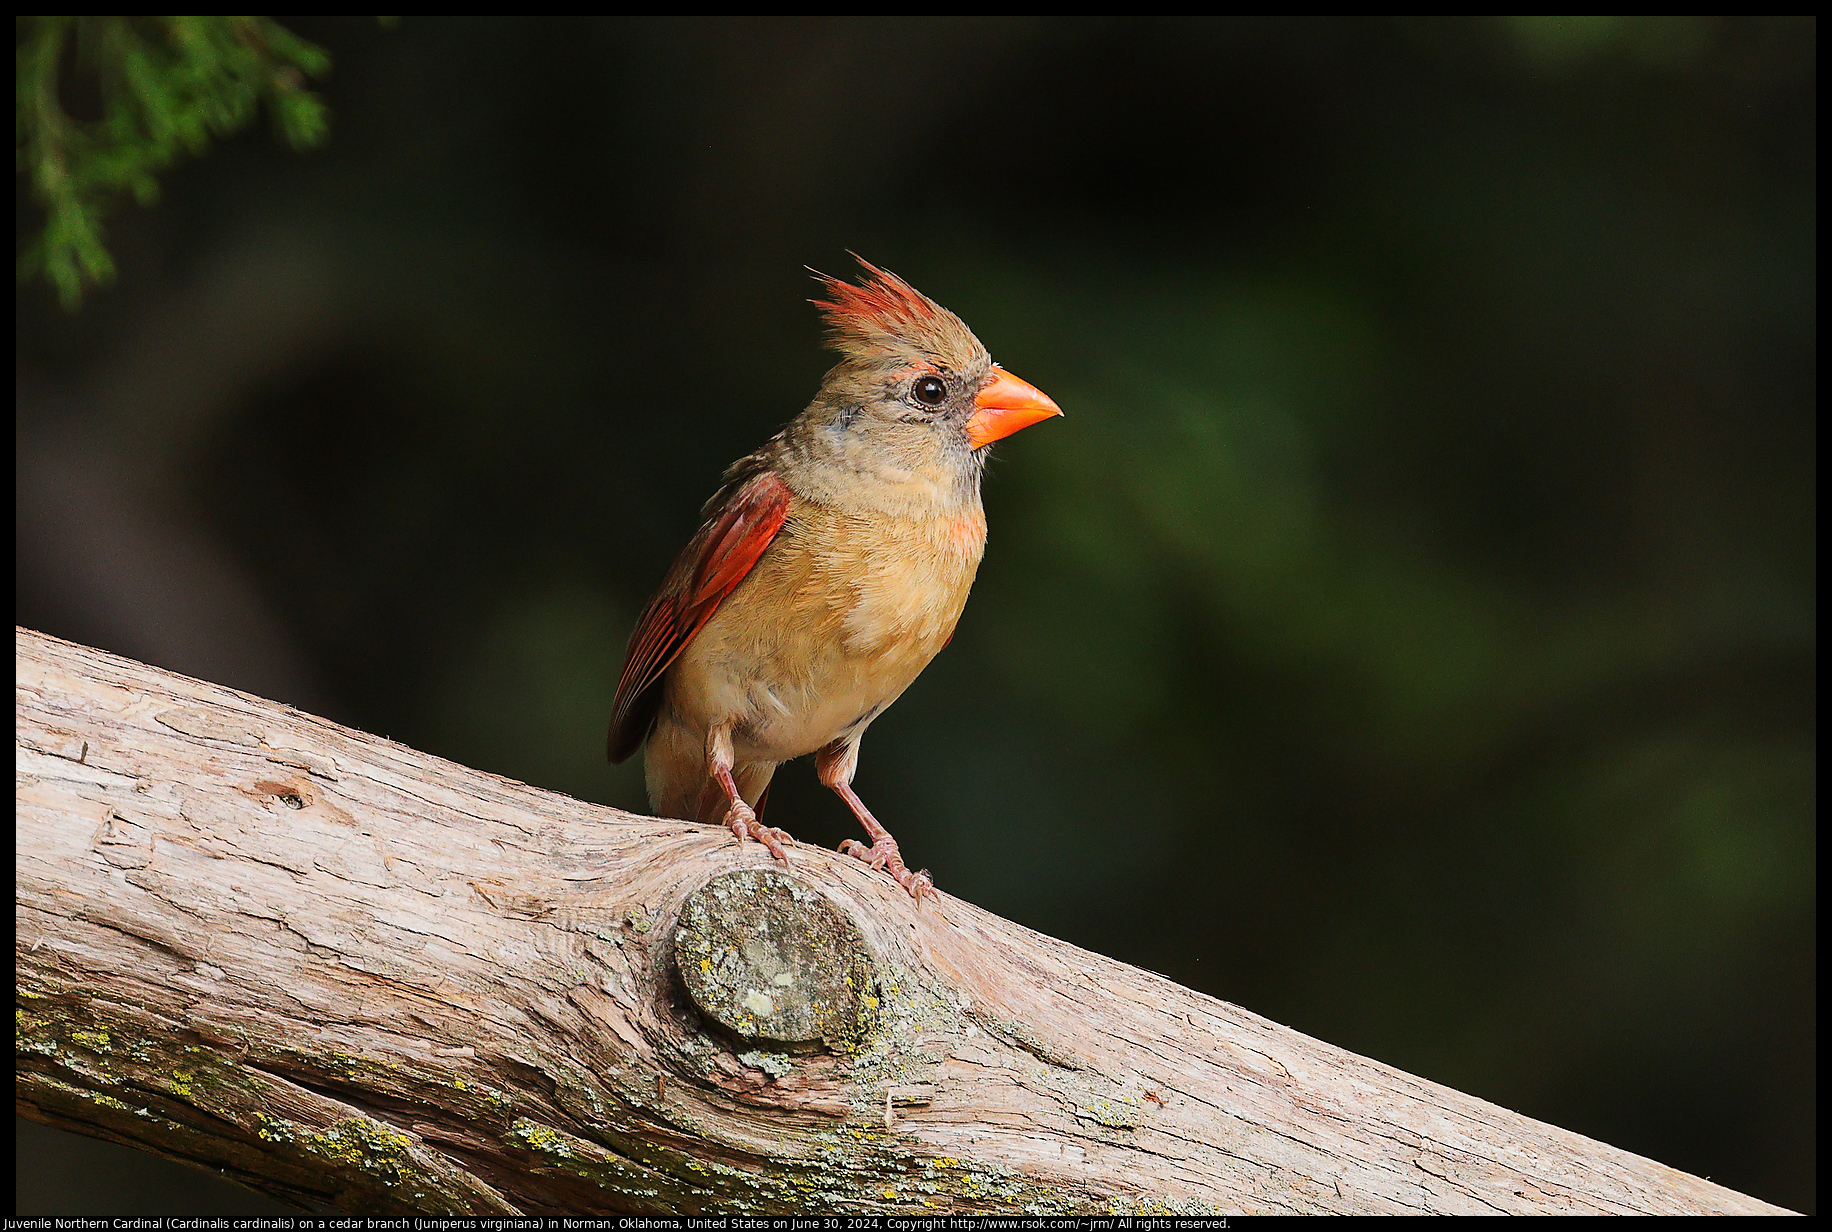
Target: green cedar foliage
[161,87]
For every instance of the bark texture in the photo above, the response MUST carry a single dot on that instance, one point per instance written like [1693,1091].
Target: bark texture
[339,970]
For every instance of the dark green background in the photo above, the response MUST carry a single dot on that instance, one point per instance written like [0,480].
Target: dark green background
[1407,635]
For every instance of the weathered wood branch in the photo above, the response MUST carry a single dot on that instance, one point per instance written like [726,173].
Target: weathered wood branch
[338,970]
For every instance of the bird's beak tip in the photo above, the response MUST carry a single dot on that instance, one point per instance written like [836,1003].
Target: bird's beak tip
[1006,405]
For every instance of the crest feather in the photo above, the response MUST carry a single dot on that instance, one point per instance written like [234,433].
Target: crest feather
[880,313]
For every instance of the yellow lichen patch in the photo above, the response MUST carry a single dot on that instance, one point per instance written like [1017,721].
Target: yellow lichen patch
[458,1085]
[97,1040]
[540,1138]
[84,1093]
[181,1083]
[362,1143]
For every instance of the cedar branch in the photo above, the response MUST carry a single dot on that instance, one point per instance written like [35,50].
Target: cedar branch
[344,972]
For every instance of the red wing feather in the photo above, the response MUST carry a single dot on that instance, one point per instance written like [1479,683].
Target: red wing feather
[719,556]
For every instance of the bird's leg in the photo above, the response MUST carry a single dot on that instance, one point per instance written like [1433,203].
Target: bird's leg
[835,764]
[738,815]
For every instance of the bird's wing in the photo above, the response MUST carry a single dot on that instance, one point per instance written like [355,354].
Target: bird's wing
[710,567]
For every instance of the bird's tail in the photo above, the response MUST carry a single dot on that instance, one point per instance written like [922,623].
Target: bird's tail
[674,764]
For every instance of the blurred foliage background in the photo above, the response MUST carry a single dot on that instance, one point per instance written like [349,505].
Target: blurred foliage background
[1408,635]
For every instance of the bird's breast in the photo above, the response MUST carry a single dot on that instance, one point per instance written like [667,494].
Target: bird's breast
[834,622]
[901,586]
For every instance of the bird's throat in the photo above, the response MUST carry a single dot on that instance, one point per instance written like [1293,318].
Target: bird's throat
[915,478]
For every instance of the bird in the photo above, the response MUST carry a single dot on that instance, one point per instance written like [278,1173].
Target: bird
[829,568]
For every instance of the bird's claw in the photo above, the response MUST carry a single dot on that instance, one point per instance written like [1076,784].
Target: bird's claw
[874,857]
[743,822]
[883,854]
[919,884]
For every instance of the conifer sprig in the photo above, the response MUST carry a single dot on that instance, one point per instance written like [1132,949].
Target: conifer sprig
[165,86]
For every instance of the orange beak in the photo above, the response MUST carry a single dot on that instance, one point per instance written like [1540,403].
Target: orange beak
[1006,405]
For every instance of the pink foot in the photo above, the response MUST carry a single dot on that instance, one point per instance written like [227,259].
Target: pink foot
[743,823]
[883,854]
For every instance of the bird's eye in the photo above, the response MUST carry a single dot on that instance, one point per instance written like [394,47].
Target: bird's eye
[929,391]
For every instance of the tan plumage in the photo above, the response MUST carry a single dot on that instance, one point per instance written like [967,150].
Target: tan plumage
[832,567]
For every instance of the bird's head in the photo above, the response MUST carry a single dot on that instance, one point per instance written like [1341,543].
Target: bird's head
[914,391]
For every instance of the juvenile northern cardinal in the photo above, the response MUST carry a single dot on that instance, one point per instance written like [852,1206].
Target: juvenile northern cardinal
[830,568]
